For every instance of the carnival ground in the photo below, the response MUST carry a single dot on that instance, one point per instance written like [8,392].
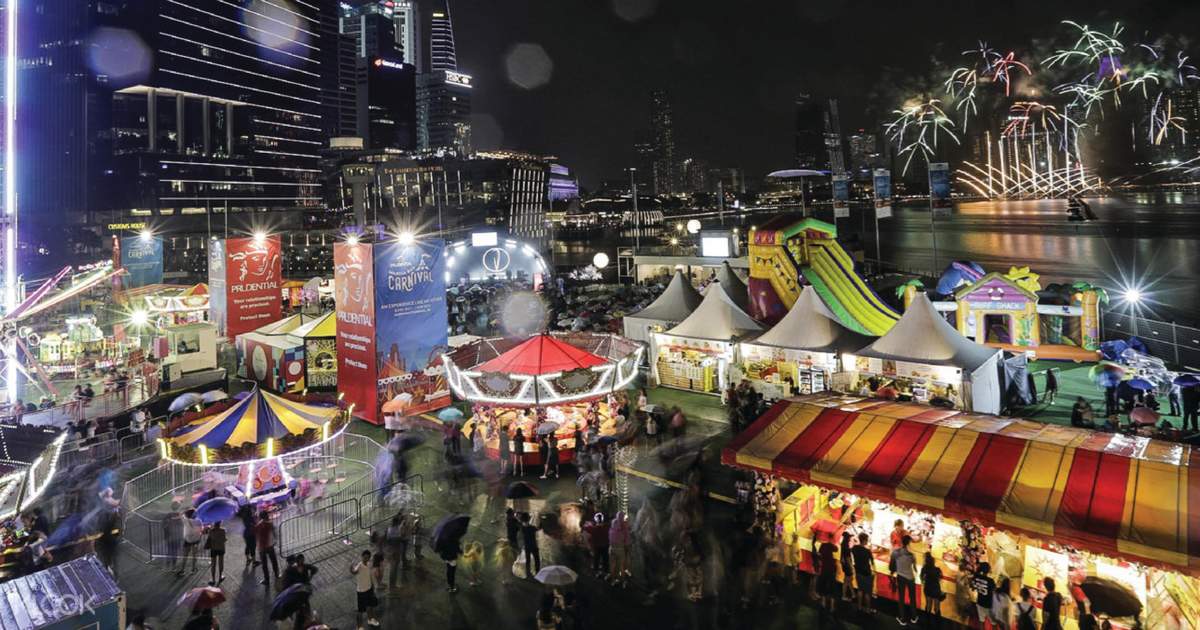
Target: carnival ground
[422,599]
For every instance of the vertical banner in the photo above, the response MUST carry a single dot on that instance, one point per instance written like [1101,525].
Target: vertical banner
[883,193]
[410,333]
[253,274]
[354,282]
[841,196]
[939,188]
[216,285]
[142,259]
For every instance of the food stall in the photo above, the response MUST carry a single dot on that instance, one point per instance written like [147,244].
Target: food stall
[1109,517]
[923,358]
[674,305]
[553,383]
[800,354]
[696,354]
[253,434]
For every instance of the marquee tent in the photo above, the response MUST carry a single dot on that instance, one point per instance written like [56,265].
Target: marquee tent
[1129,496]
[733,286]
[259,416]
[273,355]
[674,305]
[697,352]
[803,349]
[924,348]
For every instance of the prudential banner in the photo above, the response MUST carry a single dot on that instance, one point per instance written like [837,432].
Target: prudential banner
[142,259]
[883,193]
[410,327]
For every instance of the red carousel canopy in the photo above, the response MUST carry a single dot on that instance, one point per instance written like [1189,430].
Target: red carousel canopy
[542,354]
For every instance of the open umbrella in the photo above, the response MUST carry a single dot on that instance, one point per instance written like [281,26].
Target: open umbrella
[449,530]
[1141,383]
[520,490]
[213,396]
[202,598]
[603,440]
[1109,597]
[1144,415]
[1186,380]
[289,601]
[1106,379]
[556,575]
[450,414]
[184,401]
[216,510]
[547,428]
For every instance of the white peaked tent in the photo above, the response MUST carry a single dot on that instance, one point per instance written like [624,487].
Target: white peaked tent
[697,353]
[924,338]
[799,354]
[809,325]
[674,305]
[733,285]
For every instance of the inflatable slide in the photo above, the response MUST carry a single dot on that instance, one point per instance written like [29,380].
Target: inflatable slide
[784,250]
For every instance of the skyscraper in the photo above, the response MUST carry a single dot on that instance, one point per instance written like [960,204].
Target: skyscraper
[442,54]
[811,152]
[407,29]
[662,138]
[834,144]
[385,87]
[443,93]
[229,118]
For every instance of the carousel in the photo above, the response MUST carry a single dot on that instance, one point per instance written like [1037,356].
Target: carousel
[562,385]
[254,435]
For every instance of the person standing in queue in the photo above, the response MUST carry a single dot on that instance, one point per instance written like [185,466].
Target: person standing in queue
[264,538]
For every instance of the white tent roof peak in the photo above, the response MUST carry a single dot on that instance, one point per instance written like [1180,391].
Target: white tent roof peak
[677,301]
[809,325]
[716,318]
[923,336]
[733,286]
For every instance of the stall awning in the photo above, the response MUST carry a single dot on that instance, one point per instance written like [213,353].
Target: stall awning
[1109,493]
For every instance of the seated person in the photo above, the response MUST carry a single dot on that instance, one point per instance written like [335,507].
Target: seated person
[1081,414]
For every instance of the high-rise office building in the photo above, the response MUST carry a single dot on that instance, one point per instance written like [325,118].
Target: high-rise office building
[864,153]
[442,55]
[386,81]
[443,93]
[811,152]
[662,138]
[340,77]
[229,119]
[834,143]
[407,28]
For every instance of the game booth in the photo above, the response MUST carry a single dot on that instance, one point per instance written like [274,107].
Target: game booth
[673,306]
[274,355]
[800,354]
[696,354]
[923,358]
[1109,517]
[551,383]
[320,353]
[253,434]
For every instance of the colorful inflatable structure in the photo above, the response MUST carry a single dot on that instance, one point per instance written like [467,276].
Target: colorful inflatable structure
[783,250]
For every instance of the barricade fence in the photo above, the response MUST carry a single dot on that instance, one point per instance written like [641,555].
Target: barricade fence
[1168,341]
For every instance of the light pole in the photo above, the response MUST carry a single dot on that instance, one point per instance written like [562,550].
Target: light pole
[637,218]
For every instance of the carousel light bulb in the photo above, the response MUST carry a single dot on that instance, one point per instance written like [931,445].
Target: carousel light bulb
[164,450]
[203,455]
[325,431]
[270,447]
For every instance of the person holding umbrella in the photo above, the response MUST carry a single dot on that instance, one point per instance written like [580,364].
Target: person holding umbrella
[193,530]
[529,544]
[216,552]
[246,514]
[365,579]
[544,453]
[446,539]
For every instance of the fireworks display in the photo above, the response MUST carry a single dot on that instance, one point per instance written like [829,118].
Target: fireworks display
[1037,108]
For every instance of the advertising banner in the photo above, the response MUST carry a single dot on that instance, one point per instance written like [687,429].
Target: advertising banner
[253,274]
[410,333]
[841,196]
[353,277]
[216,285]
[939,188]
[883,193]
[142,259]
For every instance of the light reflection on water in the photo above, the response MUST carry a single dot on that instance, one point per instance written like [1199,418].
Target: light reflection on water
[1149,239]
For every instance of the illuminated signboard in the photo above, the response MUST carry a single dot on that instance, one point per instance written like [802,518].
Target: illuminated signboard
[117,227]
[458,78]
[394,65]
[483,239]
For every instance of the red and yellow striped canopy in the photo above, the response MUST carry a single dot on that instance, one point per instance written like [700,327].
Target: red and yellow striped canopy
[1109,493]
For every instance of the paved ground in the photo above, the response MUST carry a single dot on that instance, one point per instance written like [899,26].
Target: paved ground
[422,598]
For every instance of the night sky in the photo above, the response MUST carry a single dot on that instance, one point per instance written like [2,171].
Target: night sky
[732,68]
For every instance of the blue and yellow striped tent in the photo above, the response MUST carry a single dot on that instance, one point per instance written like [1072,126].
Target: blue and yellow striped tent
[260,416]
